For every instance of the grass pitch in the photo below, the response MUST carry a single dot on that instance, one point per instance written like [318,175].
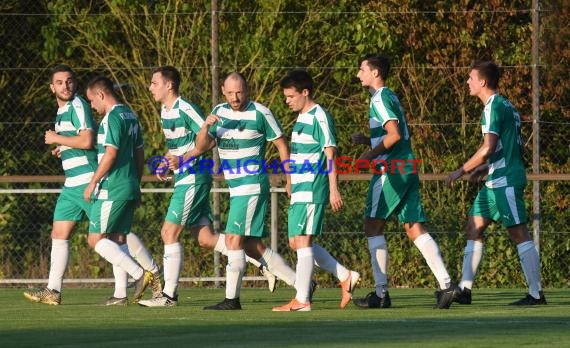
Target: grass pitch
[82,321]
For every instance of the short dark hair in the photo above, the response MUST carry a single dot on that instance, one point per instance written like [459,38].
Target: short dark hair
[299,79]
[103,83]
[61,68]
[171,74]
[378,61]
[488,71]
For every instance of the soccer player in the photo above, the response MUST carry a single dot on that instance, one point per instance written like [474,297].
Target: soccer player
[74,137]
[242,127]
[502,198]
[189,205]
[314,182]
[393,191]
[115,185]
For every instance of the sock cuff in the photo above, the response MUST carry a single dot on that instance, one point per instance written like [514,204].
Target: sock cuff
[60,242]
[422,239]
[221,244]
[267,255]
[376,242]
[305,252]
[473,245]
[525,246]
[236,254]
[172,248]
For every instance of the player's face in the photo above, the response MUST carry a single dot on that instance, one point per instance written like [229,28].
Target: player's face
[475,83]
[294,99]
[365,74]
[63,86]
[96,100]
[236,93]
[159,87]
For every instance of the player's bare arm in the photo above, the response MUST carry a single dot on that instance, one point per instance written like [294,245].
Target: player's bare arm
[335,197]
[283,150]
[392,137]
[105,165]
[84,140]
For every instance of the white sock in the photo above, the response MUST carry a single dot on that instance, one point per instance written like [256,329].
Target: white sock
[222,249]
[530,263]
[277,265]
[111,252]
[429,249]
[304,274]
[172,263]
[121,277]
[234,272]
[379,261]
[58,263]
[324,260]
[221,245]
[472,257]
[139,251]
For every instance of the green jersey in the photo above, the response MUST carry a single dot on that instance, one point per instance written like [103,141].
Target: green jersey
[312,133]
[506,167]
[180,125]
[120,128]
[78,164]
[242,137]
[384,107]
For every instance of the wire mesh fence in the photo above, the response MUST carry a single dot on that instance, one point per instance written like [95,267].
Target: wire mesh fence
[443,120]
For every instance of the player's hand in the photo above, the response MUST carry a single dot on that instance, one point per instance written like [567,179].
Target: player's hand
[212,119]
[56,152]
[173,161]
[50,137]
[89,192]
[336,201]
[360,138]
[453,176]
[479,174]
[162,172]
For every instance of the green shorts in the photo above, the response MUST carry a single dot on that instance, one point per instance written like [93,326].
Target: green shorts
[390,194]
[189,204]
[71,206]
[305,219]
[247,216]
[112,216]
[503,203]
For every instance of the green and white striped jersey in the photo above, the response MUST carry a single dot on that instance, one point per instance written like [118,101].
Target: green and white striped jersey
[78,164]
[312,133]
[180,125]
[506,166]
[242,138]
[384,107]
[120,128]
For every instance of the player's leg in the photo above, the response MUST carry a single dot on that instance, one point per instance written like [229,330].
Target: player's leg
[171,263]
[376,213]
[511,207]
[142,255]
[481,214]
[70,208]
[114,218]
[301,228]
[245,218]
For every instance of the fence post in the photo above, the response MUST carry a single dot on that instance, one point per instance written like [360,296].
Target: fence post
[274,219]
[215,94]
[535,122]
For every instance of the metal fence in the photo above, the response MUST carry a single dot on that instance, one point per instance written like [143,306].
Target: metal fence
[25,214]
